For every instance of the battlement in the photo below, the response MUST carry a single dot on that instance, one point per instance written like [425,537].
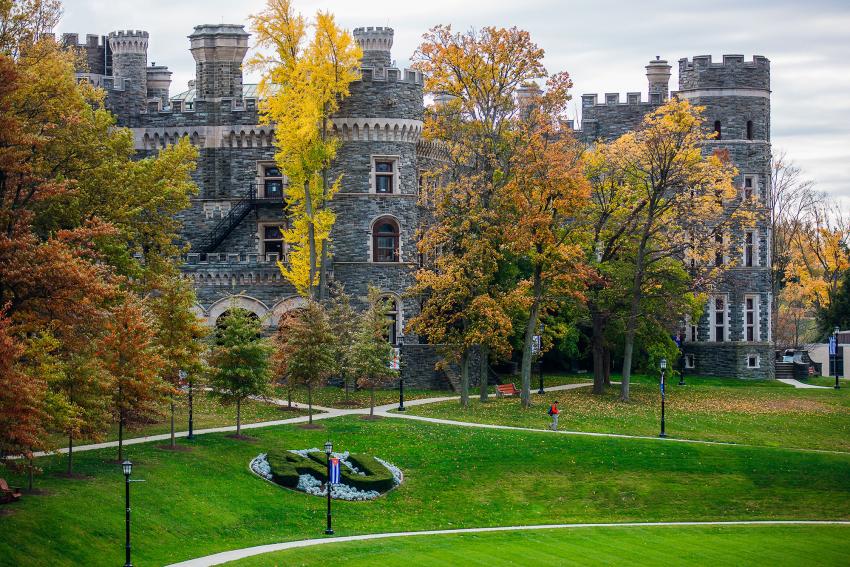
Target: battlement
[613,99]
[391,75]
[734,71]
[92,41]
[129,42]
[376,43]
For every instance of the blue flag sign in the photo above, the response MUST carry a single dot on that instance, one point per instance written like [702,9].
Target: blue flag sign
[678,340]
[832,345]
[535,344]
[662,386]
[334,470]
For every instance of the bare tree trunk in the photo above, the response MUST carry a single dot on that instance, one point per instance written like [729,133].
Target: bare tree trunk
[598,352]
[173,441]
[310,404]
[311,236]
[631,322]
[464,378]
[238,417]
[530,329]
[372,402]
[289,398]
[606,361]
[120,435]
[482,374]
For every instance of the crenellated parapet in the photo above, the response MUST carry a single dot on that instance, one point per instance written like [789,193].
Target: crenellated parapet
[376,43]
[129,42]
[734,72]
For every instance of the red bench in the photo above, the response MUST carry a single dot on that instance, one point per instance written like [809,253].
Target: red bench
[8,494]
[506,390]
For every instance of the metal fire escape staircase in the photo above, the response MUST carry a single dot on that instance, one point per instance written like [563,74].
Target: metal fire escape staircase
[238,211]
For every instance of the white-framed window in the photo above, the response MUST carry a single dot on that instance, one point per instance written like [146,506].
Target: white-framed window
[690,361]
[271,240]
[386,240]
[272,182]
[690,331]
[750,251]
[751,318]
[753,360]
[718,319]
[393,319]
[384,177]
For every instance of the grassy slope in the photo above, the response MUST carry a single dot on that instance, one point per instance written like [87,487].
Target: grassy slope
[761,413]
[207,412]
[739,545]
[205,501]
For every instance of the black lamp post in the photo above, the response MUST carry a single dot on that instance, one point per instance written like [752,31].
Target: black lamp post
[328,450]
[540,362]
[128,468]
[835,332]
[663,364]
[400,382]
[183,375]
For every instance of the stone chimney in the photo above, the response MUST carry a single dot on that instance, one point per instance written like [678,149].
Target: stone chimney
[218,51]
[658,75]
[159,83]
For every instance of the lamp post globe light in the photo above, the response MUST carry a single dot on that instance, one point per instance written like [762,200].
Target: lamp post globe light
[328,450]
[663,365]
[127,466]
[835,332]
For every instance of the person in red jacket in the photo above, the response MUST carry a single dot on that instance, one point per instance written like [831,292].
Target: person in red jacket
[553,411]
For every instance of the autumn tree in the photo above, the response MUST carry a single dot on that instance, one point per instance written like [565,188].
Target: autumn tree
[131,356]
[306,350]
[239,360]
[476,76]
[372,352]
[682,199]
[543,198]
[304,79]
[179,333]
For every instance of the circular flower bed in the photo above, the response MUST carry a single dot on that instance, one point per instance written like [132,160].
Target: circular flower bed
[362,477]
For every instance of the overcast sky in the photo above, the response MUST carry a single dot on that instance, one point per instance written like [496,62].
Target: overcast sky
[603,44]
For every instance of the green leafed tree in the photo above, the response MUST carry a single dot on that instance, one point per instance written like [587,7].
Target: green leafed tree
[372,352]
[239,360]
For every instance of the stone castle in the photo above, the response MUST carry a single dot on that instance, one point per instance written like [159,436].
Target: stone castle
[234,223]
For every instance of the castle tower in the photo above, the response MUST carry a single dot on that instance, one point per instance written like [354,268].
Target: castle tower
[374,240]
[159,83]
[129,62]
[218,51]
[376,44]
[658,75]
[734,336]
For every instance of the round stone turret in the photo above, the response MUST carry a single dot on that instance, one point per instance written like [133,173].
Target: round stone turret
[376,44]
[159,82]
[129,63]
[658,75]
[218,50]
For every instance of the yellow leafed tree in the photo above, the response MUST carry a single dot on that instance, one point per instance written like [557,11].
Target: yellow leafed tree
[307,69]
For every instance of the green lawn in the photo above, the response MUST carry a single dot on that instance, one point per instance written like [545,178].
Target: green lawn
[634,546]
[761,413]
[205,501]
[207,412]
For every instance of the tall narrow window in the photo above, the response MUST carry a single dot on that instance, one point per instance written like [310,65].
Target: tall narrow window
[392,320]
[718,250]
[749,249]
[719,319]
[749,129]
[749,186]
[385,241]
[750,319]
[717,130]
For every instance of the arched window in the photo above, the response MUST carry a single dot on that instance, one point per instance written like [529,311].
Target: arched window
[385,241]
[717,129]
[749,129]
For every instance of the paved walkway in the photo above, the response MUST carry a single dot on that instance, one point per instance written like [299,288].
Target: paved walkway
[803,385]
[233,555]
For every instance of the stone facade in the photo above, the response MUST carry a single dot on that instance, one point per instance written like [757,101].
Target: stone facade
[736,97]
[231,223]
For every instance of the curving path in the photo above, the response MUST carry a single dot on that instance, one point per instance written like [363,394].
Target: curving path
[233,555]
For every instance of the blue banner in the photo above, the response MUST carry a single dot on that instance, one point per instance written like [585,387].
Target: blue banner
[832,344]
[334,470]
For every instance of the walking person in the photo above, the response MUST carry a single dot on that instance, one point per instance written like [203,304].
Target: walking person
[553,411]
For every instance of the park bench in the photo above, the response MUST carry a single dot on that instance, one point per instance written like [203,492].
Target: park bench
[8,494]
[506,390]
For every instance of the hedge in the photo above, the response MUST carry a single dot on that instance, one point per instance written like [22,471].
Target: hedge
[286,467]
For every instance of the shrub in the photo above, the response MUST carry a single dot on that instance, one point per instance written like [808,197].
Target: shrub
[286,467]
